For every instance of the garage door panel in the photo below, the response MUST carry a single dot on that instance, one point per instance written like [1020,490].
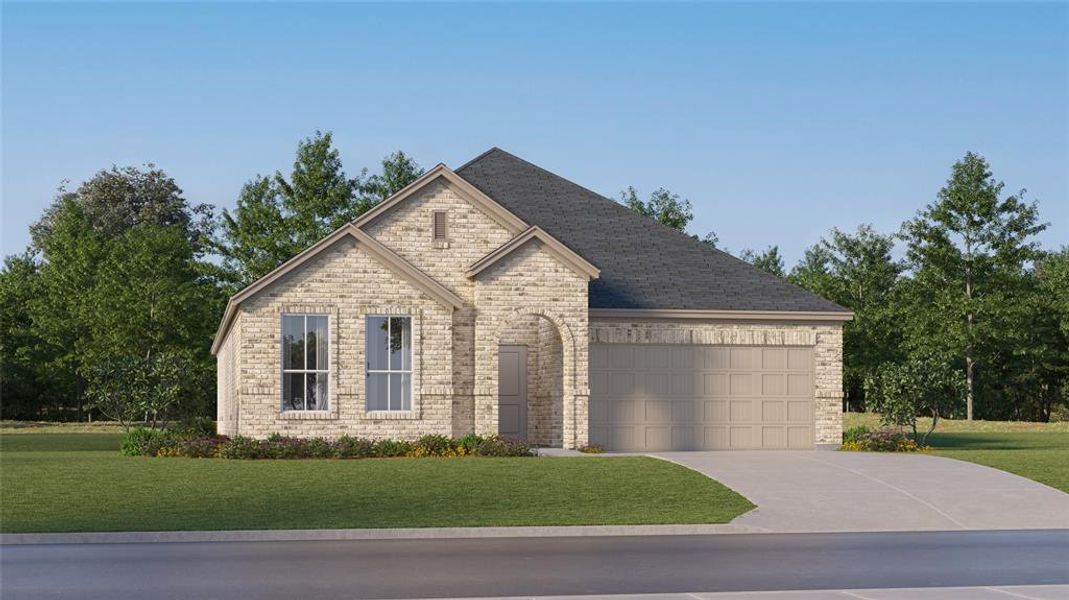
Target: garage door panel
[774,359]
[683,437]
[741,411]
[683,384]
[657,437]
[799,359]
[648,397]
[741,384]
[799,437]
[799,384]
[717,385]
[799,411]
[773,411]
[773,437]
[658,411]
[621,384]
[773,384]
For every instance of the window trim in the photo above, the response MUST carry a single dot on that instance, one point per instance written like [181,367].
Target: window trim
[411,371]
[283,370]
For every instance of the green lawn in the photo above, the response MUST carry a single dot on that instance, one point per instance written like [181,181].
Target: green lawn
[1042,456]
[59,481]
[1038,451]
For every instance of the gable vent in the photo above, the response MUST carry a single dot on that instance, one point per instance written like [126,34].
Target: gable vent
[439,226]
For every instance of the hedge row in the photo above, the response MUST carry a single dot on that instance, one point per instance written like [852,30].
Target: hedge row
[162,442]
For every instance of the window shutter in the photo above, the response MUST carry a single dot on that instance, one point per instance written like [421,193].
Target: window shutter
[439,226]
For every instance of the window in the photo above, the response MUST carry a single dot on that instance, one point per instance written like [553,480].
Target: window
[389,363]
[305,364]
[439,226]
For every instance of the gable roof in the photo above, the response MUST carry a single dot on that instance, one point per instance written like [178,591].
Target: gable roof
[388,257]
[563,253]
[480,200]
[644,265]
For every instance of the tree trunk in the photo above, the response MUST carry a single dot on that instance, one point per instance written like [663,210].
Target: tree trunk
[969,363]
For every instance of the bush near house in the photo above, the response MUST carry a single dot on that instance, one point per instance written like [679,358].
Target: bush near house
[881,440]
[196,444]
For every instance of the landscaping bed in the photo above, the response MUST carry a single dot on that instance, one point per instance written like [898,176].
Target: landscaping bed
[79,482]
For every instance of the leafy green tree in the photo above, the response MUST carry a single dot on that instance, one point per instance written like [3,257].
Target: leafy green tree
[916,387]
[398,170]
[857,271]
[97,267]
[148,300]
[768,261]
[967,252]
[278,217]
[663,206]
[149,390]
[27,389]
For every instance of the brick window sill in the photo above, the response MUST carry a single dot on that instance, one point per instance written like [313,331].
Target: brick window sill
[308,415]
[391,415]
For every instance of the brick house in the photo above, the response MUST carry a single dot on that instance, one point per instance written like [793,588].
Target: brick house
[501,298]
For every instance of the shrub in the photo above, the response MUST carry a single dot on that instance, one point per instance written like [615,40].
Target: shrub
[318,447]
[495,445]
[591,449]
[883,440]
[142,441]
[470,443]
[194,427]
[350,447]
[240,447]
[435,445]
[392,448]
[855,434]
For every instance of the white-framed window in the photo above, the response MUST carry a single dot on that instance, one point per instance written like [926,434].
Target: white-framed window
[305,362]
[388,363]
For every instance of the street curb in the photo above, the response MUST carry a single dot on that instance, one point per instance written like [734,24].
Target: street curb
[312,535]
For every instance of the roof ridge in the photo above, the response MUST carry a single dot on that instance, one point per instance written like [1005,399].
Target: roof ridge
[480,156]
[614,203]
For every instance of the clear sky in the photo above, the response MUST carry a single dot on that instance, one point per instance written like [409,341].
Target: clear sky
[778,121]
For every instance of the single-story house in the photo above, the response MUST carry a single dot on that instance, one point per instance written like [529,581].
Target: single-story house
[499,298]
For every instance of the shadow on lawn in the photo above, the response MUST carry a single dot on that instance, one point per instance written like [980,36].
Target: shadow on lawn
[1000,441]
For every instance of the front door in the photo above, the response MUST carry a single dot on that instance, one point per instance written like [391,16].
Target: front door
[512,392]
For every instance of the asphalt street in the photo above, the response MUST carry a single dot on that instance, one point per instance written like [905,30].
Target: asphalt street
[533,566]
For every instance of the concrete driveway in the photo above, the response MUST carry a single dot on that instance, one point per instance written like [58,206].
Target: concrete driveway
[858,491]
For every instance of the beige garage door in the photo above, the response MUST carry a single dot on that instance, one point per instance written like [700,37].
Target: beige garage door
[646,397]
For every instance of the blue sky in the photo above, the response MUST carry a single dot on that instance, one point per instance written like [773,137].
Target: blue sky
[778,121]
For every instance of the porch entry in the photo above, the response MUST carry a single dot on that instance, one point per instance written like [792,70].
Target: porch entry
[512,392]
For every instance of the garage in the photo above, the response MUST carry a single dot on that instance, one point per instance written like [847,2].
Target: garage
[646,397]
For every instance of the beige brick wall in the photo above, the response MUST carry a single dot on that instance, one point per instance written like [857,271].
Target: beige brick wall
[346,283]
[226,417]
[826,341]
[528,282]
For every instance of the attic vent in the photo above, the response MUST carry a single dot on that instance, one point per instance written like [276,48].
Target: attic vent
[439,226]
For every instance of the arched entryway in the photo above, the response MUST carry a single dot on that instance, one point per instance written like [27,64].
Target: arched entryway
[530,398]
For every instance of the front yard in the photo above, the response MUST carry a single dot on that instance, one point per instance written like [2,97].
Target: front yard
[60,481]
[1038,451]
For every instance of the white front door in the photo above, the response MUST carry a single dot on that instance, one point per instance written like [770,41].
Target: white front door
[512,392]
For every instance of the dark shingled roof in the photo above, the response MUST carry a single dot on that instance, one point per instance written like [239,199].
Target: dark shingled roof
[643,264]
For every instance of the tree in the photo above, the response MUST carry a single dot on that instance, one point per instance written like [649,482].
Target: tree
[114,200]
[966,253]
[278,217]
[145,389]
[856,270]
[149,300]
[663,206]
[768,261]
[116,263]
[918,386]
[398,170]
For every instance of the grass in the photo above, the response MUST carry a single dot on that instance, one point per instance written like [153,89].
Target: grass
[77,481]
[872,421]
[1038,451]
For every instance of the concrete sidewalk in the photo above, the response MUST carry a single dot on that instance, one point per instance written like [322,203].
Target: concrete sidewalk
[1027,592]
[807,491]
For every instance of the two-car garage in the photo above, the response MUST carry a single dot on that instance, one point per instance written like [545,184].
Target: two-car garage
[646,397]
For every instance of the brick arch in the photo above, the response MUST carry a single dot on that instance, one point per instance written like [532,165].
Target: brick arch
[563,331]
